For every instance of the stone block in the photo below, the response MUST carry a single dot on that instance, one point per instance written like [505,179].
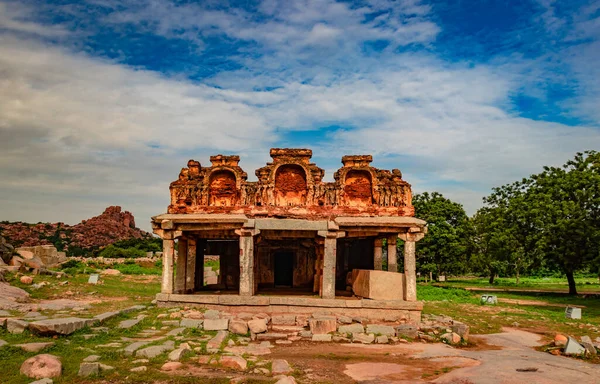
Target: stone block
[407,330]
[126,324]
[489,299]
[216,324]
[322,325]
[378,285]
[461,329]
[239,327]
[234,362]
[283,320]
[16,326]
[321,337]
[363,338]
[590,349]
[280,367]
[351,328]
[34,347]
[65,326]
[271,336]
[191,323]
[215,342]
[381,329]
[257,325]
[573,313]
[573,347]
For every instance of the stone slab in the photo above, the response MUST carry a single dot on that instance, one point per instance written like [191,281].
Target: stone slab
[378,285]
[216,324]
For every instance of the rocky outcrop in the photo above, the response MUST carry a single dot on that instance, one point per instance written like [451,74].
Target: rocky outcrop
[6,251]
[109,227]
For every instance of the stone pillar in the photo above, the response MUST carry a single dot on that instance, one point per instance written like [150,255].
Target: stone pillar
[168,257]
[199,277]
[190,271]
[378,255]
[392,253]
[410,275]
[329,261]
[246,263]
[410,262]
[181,265]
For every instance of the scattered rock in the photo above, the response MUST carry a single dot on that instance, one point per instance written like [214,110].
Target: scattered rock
[239,327]
[16,326]
[286,380]
[272,336]
[345,320]
[214,344]
[43,381]
[91,359]
[64,326]
[234,362]
[352,328]
[573,347]
[153,351]
[586,342]
[141,368]
[451,338]
[34,347]
[191,323]
[178,353]
[131,348]
[3,343]
[171,366]
[322,325]
[363,338]
[560,340]
[383,339]
[461,329]
[381,329]
[215,324]
[88,369]
[42,366]
[257,325]
[26,280]
[280,367]
[406,330]
[321,337]
[126,324]
[175,332]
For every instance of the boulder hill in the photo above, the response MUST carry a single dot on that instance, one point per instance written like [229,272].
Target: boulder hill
[111,226]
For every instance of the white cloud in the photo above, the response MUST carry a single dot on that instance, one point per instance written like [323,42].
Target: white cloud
[78,133]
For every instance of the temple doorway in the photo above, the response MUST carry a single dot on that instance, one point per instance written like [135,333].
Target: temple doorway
[284,268]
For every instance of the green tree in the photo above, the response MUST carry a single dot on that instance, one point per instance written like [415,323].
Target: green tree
[444,248]
[567,201]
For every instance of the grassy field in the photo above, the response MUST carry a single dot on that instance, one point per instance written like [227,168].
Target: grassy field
[540,312]
[584,284]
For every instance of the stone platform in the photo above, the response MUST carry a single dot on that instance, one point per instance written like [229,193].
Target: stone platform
[370,309]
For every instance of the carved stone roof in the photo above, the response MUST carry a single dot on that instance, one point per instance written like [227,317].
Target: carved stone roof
[291,186]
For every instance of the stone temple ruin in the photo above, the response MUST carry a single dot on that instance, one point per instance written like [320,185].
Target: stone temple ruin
[291,242]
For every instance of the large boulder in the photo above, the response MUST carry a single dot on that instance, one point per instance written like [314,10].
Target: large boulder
[42,366]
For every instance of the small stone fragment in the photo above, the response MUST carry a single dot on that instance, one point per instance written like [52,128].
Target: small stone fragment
[280,367]
[171,366]
[42,366]
[234,362]
[141,368]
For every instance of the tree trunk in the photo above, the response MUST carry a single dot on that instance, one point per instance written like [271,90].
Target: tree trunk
[492,275]
[517,276]
[572,286]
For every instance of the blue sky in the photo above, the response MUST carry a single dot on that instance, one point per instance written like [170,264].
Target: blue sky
[102,101]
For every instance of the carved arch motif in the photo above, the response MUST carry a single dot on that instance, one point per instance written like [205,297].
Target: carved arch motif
[291,187]
[358,188]
[222,188]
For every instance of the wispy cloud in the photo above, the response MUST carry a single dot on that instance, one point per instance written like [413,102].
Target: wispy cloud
[80,129]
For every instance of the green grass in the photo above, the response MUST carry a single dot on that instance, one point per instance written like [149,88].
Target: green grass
[214,264]
[583,283]
[540,317]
